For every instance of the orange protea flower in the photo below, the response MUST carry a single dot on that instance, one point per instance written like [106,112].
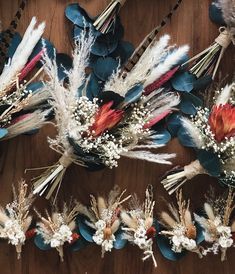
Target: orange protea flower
[222,121]
[105,119]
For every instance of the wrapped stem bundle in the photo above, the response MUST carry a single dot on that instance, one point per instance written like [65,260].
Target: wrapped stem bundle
[54,230]
[139,225]
[218,228]
[212,133]
[181,229]
[107,18]
[102,222]
[21,109]
[207,62]
[15,219]
[95,133]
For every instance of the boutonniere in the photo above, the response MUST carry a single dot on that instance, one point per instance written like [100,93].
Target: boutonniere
[120,121]
[180,229]
[101,223]
[15,218]
[212,133]
[23,103]
[139,226]
[217,224]
[57,229]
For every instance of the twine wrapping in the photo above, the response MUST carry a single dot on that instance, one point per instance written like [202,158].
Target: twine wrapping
[66,159]
[193,169]
[225,38]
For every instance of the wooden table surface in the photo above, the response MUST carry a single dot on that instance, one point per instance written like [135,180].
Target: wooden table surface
[190,25]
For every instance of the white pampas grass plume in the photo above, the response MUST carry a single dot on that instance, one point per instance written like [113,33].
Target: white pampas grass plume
[128,221]
[201,220]
[164,102]
[209,211]
[33,120]
[193,132]
[20,57]
[81,56]
[42,95]
[149,156]
[168,219]
[151,58]
[170,61]
[225,95]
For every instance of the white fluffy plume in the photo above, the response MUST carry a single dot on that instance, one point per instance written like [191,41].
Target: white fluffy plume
[193,132]
[149,156]
[20,58]
[170,61]
[225,94]
[139,74]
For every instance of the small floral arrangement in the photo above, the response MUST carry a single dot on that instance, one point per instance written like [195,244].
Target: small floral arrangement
[139,225]
[212,133]
[23,102]
[95,132]
[15,219]
[218,228]
[102,221]
[182,231]
[58,229]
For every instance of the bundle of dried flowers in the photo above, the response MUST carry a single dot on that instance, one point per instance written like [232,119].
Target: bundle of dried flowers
[15,219]
[96,133]
[181,229]
[212,132]
[217,225]
[57,229]
[207,62]
[103,219]
[21,109]
[139,224]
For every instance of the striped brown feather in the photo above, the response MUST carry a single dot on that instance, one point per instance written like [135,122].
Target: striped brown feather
[9,34]
[148,40]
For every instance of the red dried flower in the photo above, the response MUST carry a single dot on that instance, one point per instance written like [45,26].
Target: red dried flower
[222,121]
[105,119]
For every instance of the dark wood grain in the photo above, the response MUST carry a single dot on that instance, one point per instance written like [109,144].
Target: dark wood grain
[190,25]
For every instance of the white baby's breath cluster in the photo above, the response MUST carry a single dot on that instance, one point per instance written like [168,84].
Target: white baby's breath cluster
[134,130]
[13,231]
[82,117]
[181,242]
[140,238]
[225,150]
[100,239]
[223,238]
[60,235]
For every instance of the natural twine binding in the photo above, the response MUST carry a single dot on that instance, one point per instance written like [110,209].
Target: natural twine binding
[194,169]
[65,160]
[225,38]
